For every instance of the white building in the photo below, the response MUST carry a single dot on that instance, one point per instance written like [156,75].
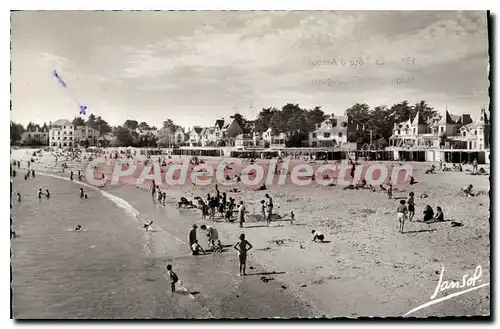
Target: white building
[62,134]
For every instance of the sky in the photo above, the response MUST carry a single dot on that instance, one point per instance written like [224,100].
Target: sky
[194,67]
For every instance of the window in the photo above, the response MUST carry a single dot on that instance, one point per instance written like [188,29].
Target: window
[326,135]
[414,130]
[313,135]
[442,129]
[475,132]
[340,135]
[334,123]
[464,134]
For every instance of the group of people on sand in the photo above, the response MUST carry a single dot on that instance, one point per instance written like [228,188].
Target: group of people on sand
[406,210]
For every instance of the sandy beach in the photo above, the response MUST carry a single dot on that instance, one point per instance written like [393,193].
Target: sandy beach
[364,268]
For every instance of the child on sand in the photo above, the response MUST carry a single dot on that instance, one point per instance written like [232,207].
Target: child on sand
[402,211]
[411,206]
[243,246]
[196,249]
[468,190]
[47,194]
[173,277]
[317,236]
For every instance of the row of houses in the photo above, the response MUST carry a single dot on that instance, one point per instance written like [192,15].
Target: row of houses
[441,132]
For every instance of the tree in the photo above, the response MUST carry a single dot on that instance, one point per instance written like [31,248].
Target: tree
[243,122]
[262,123]
[315,116]
[78,121]
[123,136]
[131,124]
[102,126]
[91,121]
[144,126]
[16,132]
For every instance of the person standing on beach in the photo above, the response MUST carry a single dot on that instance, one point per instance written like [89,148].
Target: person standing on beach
[401,214]
[71,175]
[411,206]
[241,213]
[192,235]
[173,277]
[212,234]
[243,246]
[474,166]
[153,189]
[389,190]
[269,207]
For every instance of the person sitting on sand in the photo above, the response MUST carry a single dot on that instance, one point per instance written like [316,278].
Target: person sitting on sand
[18,197]
[146,226]
[196,249]
[428,213]
[401,214]
[317,236]
[78,227]
[412,180]
[262,187]
[468,190]
[439,215]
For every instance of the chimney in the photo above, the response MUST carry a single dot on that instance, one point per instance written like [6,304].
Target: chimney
[466,119]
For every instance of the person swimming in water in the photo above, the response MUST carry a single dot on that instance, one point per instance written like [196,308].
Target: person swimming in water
[78,227]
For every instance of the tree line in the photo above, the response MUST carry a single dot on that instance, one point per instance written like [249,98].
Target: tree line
[293,121]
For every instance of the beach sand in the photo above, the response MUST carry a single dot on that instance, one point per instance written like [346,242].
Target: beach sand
[366,268]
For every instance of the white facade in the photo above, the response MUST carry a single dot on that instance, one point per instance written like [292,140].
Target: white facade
[62,134]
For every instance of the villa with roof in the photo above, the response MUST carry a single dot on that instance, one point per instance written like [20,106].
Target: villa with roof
[452,138]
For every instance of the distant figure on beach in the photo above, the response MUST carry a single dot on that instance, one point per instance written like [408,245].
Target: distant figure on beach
[263,209]
[78,227]
[173,277]
[292,217]
[40,193]
[474,166]
[317,236]
[428,213]
[196,249]
[401,214]
[411,206]
[441,164]
[241,213]
[33,173]
[82,193]
[79,175]
[243,246]
[468,190]
[262,187]
[25,176]
[146,226]
[153,188]
[164,197]
[71,175]
[389,190]
[160,196]
[18,197]
[29,165]
[47,193]
[269,208]
[192,235]
[412,180]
